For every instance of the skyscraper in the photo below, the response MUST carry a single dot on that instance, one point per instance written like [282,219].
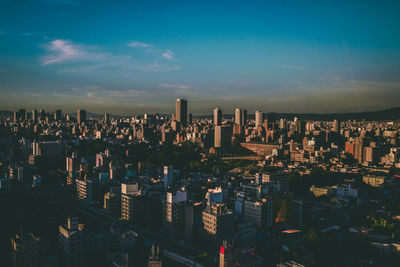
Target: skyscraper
[81,115]
[244,117]
[259,117]
[181,110]
[57,115]
[106,117]
[238,116]
[34,115]
[217,117]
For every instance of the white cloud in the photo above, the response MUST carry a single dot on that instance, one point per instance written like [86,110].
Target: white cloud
[140,44]
[63,50]
[175,86]
[168,54]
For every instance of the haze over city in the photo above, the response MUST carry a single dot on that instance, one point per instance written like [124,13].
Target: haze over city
[133,57]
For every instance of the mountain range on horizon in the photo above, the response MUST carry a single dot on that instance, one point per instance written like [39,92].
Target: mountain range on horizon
[386,114]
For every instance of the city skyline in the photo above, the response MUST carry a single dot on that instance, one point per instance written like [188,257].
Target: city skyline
[139,57]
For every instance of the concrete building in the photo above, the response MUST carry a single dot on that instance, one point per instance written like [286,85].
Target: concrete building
[217,117]
[25,251]
[259,118]
[81,115]
[259,212]
[84,190]
[112,203]
[72,244]
[181,111]
[178,219]
[218,223]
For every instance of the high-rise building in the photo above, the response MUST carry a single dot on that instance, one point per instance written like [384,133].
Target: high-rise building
[128,192]
[34,115]
[58,115]
[258,212]
[22,114]
[358,149]
[238,116]
[72,244]
[244,117]
[336,126]
[217,117]
[259,118]
[222,136]
[218,222]
[84,190]
[25,251]
[81,115]
[178,219]
[181,110]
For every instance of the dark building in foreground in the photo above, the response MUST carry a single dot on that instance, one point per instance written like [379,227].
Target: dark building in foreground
[25,251]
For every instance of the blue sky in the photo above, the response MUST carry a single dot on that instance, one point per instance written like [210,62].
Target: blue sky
[131,57]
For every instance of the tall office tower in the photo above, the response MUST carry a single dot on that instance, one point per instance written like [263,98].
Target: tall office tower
[258,212]
[178,219]
[155,257]
[72,244]
[34,115]
[42,114]
[217,117]
[336,126]
[238,116]
[222,136]
[25,251]
[190,118]
[81,115]
[106,117]
[22,114]
[358,149]
[259,118]
[168,176]
[57,115]
[218,223]
[181,110]
[244,117]
[300,126]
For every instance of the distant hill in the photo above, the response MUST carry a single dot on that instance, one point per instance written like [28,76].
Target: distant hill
[380,115]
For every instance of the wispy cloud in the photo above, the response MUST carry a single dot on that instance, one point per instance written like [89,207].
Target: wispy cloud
[139,44]
[175,86]
[151,48]
[158,67]
[61,51]
[168,54]
[33,94]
